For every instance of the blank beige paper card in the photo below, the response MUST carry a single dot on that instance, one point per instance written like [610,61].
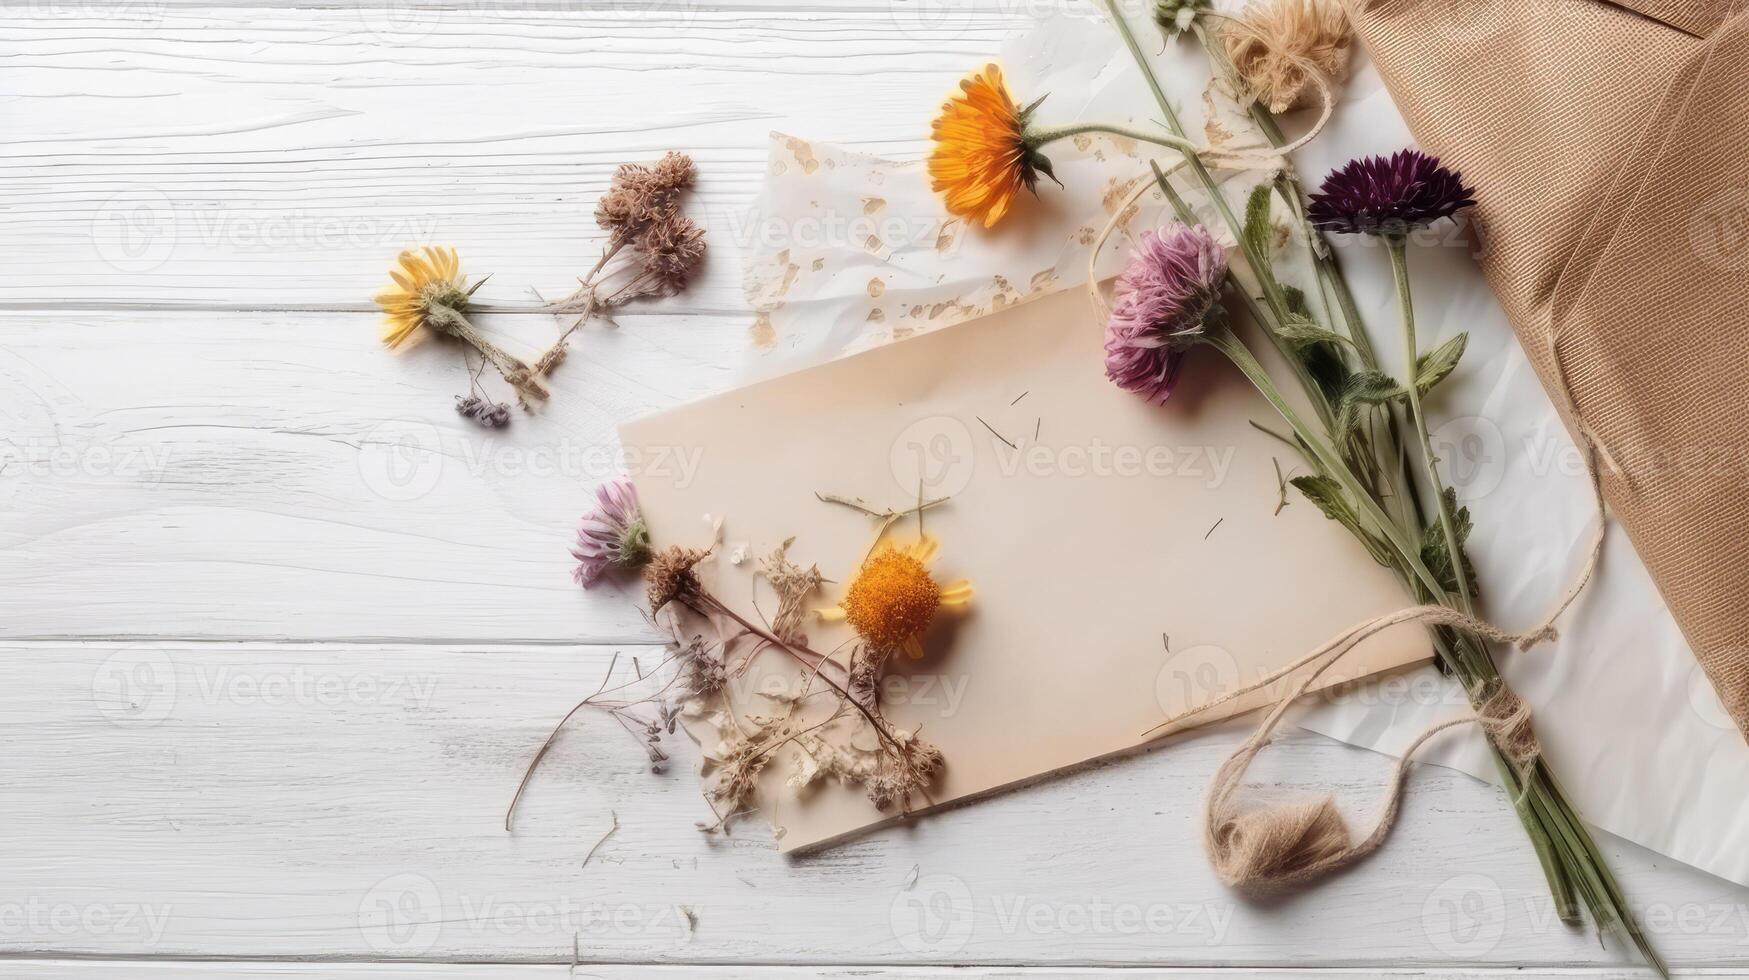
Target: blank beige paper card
[1128,560]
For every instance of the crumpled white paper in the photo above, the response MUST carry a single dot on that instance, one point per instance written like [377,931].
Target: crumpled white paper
[856,251]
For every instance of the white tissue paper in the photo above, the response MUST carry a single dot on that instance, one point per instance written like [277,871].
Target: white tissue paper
[856,251]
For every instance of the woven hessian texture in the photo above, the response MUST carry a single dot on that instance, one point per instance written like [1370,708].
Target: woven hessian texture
[1609,147]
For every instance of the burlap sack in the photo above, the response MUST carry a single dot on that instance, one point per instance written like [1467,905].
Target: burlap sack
[1609,147]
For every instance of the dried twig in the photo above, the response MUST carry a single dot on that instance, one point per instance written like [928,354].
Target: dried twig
[603,838]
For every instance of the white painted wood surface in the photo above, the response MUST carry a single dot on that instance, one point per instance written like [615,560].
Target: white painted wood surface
[278,631]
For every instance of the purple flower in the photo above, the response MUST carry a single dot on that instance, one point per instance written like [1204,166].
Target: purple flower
[1163,299]
[1388,195]
[612,536]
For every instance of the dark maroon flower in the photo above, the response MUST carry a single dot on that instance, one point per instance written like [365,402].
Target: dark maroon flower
[1388,195]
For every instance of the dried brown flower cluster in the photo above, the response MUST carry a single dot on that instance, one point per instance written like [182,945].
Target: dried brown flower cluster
[653,249]
[671,577]
[822,716]
[658,247]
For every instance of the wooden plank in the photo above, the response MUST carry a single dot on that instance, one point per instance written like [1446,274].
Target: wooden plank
[266,475]
[346,801]
[279,157]
[204,970]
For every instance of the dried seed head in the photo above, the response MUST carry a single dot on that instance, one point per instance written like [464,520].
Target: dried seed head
[671,576]
[672,248]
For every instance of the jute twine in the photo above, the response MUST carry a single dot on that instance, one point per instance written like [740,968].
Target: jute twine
[1273,159]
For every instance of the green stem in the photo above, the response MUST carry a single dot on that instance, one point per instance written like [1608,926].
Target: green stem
[1038,137]
[1236,351]
[1406,306]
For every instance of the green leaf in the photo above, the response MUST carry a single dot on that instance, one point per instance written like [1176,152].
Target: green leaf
[1432,367]
[1435,554]
[1371,388]
[1258,232]
[1296,300]
[1326,495]
[1362,390]
[1300,331]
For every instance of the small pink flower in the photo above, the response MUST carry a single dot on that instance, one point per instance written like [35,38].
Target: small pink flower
[611,537]
[1163,299]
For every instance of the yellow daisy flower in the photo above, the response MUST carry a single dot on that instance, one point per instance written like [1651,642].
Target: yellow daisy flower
[983,153]
[428,291]
[893,598]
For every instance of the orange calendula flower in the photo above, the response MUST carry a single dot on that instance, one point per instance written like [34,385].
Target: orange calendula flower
[428,288]
[893,598]
[983,152]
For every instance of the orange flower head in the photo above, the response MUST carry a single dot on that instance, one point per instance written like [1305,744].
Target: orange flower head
[893,598]
[983,153]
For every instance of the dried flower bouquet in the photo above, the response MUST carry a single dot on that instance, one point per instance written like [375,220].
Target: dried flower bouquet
[717,675]
[1360,426]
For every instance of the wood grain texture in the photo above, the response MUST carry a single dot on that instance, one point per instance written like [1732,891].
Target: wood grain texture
[39,969]
[278,630]
[264,475]
[347,800]
[217,156]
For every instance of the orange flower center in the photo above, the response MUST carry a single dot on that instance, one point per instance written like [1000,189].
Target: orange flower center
[891,600]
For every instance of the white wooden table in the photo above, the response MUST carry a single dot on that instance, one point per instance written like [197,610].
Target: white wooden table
[267,685]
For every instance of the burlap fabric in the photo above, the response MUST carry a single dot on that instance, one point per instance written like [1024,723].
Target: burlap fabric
[1609,147]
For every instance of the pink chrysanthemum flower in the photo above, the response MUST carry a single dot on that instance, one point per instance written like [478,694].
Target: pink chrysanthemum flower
[1163,299]
[612,536]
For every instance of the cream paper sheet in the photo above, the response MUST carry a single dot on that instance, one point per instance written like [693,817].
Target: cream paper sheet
[1625,714]
[1128,561]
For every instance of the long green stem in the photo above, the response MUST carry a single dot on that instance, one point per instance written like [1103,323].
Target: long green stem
[1242,358]
[1042,136]
[1406,307]
[1569,858]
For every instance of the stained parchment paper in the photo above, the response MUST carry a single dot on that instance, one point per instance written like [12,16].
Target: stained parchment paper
[1126,562]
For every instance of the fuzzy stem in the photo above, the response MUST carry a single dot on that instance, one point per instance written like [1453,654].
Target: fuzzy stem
[1043,136]
[450,320]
